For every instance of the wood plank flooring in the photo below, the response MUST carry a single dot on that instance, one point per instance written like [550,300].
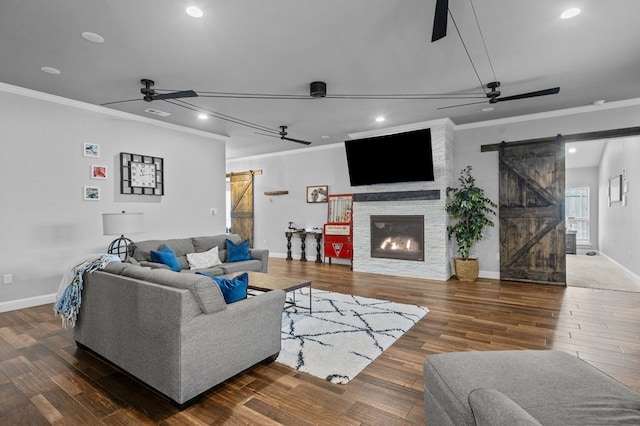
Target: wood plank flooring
[46,379]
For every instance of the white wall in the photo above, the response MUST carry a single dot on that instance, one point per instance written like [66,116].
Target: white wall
[587,176]
[293,171]
[619,225]
[45,224]
[469,138]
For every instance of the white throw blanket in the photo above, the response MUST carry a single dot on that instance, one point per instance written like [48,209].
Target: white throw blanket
[69,295]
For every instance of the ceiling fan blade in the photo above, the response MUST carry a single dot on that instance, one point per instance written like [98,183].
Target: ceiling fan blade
[295,140]
[545,92]
[175,95]
[461,105]
[440,20]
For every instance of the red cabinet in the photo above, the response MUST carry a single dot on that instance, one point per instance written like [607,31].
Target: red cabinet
[338,231]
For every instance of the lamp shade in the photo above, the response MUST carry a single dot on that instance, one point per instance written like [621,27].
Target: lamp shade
[121,223]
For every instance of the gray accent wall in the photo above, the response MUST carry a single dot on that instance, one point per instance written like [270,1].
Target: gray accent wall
[45,224]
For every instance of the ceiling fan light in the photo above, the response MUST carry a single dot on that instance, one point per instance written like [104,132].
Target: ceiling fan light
[570,13]
[195,12]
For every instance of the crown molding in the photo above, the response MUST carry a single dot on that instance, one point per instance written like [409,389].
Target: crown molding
[550,114]
[8,88]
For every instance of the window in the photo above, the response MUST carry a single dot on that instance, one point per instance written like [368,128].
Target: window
[577,212]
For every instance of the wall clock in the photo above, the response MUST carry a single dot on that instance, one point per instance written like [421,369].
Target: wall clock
[141,174]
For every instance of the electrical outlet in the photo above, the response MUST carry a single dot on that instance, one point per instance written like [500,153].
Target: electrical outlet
[8,278]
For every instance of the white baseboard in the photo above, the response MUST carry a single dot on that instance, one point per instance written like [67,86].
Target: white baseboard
[28,302]
[633,274]
[489,274]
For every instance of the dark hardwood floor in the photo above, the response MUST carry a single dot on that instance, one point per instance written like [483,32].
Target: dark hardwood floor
[46,379]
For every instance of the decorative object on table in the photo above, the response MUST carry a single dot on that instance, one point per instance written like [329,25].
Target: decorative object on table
[69,294]
[98,172]
[91,193]
[317,194]
[91,150]
[120,224]
[343,334]
[470,210]
[141,174]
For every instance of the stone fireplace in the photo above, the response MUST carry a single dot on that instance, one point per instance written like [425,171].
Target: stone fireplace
[397,237]
[403,200]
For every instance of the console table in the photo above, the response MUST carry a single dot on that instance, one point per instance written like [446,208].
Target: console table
[303,244]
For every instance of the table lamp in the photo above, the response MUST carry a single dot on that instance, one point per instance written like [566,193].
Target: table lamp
[120,224]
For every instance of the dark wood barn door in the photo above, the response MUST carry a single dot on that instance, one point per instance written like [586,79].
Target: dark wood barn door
[531,209]
[241,188]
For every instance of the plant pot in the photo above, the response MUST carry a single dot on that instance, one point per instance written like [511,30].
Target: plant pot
[466,270]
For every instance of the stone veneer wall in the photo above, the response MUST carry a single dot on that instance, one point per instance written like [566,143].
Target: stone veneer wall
[437,264]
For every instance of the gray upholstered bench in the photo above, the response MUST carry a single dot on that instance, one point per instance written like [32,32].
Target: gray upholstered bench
[525,387]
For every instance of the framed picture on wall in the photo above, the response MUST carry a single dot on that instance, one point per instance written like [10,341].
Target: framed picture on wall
[615,188]
[91,193]
[98,172]
[317,193]
[91,150]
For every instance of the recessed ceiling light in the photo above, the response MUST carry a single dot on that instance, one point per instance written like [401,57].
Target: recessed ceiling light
[92,37]
[572,150]
[598,102]
[196,12]
[203,116]
[380,119]
[487,109]
[157,112]
[325,136]
[570,13]
[50,70]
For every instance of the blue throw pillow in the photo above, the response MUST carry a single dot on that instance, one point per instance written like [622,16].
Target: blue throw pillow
[166,256]
[232,289]
[238,252]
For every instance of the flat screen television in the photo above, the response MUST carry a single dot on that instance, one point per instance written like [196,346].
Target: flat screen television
[401,157]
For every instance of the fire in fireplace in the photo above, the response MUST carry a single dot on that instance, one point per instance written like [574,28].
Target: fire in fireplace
[397,237]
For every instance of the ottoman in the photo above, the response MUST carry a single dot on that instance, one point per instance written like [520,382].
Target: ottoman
[523,387]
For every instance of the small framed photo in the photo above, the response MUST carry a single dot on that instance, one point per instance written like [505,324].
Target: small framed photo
[317,194]
[98,172]
[91,150]
[91,193]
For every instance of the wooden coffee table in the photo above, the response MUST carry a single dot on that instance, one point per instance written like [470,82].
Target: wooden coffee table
[265,282]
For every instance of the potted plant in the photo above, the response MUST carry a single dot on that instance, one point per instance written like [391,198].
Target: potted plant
[470,211]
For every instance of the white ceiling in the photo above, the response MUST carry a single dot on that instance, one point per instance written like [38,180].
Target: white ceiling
[365,47]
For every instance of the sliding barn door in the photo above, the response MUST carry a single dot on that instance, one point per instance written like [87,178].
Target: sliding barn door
[241,187]
[532,228]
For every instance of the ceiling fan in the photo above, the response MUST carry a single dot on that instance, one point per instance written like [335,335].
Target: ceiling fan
[151,95]
[440,20]
[494,95]
[283,135]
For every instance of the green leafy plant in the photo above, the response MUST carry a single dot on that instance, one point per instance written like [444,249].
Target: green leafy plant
[470,211]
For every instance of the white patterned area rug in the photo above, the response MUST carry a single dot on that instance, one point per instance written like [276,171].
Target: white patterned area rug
[343,333]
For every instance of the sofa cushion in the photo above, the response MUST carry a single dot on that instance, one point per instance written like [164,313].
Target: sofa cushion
[204,260]
[492,408]
[166,256]
[242,266]
[238,252]
[205,243]
[209,297]
[180,246]
[233,289]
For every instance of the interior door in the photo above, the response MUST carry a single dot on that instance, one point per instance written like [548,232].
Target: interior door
[241,188]
[531,209]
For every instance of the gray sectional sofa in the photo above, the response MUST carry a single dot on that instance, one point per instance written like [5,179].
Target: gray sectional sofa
[523,387]
[173,331]
[259,261]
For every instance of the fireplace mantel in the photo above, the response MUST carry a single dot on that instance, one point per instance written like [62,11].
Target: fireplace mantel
[430,194]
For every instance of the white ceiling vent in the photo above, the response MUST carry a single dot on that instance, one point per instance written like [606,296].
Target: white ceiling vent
[157,112]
